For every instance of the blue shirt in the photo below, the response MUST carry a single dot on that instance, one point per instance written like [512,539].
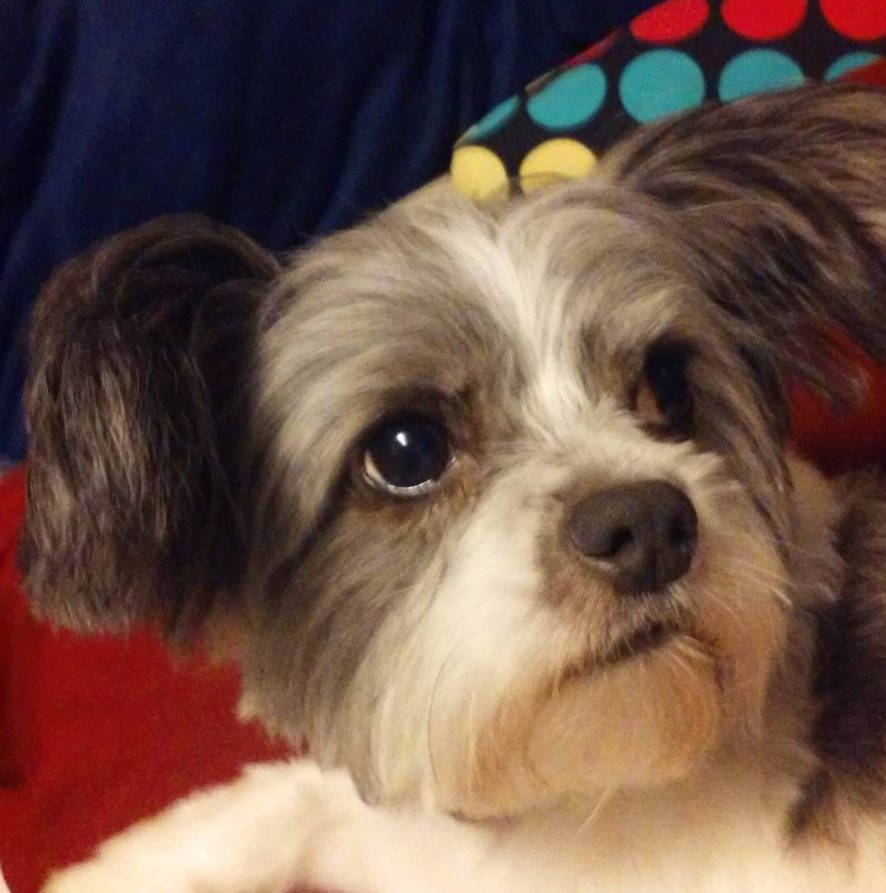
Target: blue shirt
[287,118]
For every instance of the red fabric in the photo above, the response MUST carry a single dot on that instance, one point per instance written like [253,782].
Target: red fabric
[875,73]
[96,732]
[858,437]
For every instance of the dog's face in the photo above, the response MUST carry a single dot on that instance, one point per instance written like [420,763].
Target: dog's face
[525,473]
[506,486]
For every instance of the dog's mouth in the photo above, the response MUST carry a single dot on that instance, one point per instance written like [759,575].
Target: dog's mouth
[640,642]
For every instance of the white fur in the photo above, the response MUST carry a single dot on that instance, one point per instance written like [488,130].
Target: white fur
[287,827]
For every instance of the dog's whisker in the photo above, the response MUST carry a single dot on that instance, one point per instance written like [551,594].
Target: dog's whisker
[596,809]
[430,734]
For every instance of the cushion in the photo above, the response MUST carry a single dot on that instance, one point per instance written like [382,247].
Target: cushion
[672,57]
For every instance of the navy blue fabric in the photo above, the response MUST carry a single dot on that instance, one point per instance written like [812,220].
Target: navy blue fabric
[287,118]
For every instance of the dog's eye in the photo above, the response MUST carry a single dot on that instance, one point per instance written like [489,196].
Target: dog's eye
[406,456]
[663,395]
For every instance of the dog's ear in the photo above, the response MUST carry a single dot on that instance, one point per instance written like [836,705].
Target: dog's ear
[783,198]
[140,353]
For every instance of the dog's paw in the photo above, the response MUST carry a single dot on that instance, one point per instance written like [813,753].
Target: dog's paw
[281,828]
[256,834]
[95,877]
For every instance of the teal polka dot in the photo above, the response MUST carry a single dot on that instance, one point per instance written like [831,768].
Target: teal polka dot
[848,63]
[659,83]
[757,71]
[494,120]
[570,99]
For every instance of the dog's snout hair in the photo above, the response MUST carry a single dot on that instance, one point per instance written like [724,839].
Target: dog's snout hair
[612,357]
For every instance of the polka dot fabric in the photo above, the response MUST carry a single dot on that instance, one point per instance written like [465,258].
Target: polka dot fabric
[672,57]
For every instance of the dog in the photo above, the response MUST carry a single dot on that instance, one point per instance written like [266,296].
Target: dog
[495,506]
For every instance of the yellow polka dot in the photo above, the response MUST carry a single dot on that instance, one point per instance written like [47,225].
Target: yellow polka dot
[555,160]
[478,172]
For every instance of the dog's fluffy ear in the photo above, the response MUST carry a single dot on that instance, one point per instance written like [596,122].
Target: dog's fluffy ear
[139,359]
[784,198]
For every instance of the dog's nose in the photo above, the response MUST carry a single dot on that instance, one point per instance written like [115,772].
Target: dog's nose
[644,533]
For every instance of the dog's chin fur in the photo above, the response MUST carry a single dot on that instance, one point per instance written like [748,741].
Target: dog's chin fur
[200,419]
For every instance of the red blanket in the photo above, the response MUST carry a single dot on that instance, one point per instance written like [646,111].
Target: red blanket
[97,732]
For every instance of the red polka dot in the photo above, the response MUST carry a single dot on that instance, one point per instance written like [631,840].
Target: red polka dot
[671,21]
[766,21]
[596,50]
[858,19]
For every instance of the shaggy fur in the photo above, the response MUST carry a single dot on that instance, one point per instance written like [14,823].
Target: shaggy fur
[204,426]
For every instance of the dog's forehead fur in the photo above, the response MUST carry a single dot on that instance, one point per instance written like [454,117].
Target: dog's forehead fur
[524,314]
[445,276]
